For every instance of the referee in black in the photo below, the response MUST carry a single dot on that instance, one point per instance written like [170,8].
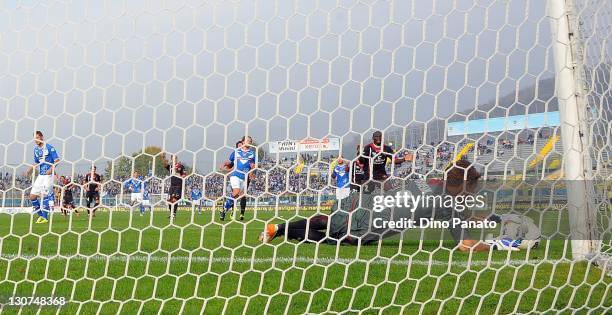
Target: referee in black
[177,174]
[93,180]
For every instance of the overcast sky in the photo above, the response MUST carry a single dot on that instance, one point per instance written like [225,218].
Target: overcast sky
[105,78]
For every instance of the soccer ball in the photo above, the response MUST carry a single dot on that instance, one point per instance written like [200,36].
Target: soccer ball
[504,243]
[516,231]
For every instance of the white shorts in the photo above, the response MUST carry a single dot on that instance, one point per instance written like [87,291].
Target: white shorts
[42,185]
[146,202]
[237,182]
[136,197]
[195,202]
[342,193]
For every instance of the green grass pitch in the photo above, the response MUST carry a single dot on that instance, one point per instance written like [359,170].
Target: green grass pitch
[202,264]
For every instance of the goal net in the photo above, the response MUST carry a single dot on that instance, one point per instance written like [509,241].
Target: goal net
[251,156]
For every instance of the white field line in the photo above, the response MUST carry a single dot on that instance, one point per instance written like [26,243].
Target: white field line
[288,260]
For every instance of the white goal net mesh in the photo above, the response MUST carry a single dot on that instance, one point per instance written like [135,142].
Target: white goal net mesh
[135,85]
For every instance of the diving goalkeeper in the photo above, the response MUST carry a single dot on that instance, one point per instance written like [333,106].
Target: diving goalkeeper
[355,225]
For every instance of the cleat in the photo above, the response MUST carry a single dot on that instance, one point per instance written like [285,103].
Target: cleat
[241,217]
[39,220]
[269,234]
[225,213]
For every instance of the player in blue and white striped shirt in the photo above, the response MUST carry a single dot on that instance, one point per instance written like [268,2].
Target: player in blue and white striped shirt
[243,161]
[341,173]
[135,185]
[196,198]
[45,158]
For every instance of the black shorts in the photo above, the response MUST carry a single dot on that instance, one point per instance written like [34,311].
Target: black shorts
[380,176]
[68,201]
[93,194]
[176,192]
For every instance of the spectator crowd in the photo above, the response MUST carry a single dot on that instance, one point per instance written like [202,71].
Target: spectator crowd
[276,177]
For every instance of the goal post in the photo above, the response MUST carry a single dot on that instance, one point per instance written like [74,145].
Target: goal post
[575,133]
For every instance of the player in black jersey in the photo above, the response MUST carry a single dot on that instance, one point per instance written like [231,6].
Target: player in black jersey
[374,158]
[358,172]
[93,187]
[66,195]
[177,174]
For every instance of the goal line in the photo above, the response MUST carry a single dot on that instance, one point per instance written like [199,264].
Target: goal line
[289,259]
